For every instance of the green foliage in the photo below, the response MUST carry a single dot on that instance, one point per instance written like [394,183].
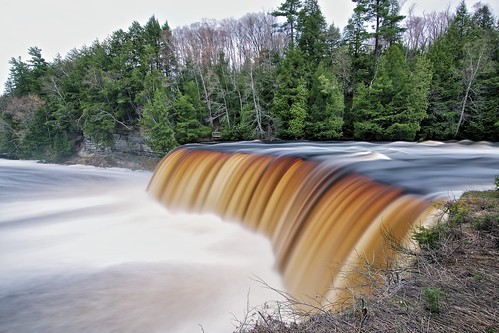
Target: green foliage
[289,9]
[244,129]
[465,74]
[496,183]
[379,20]
[187,127]
[156,124]
[290,99]
[303,82]
[298,113]
[62,146]
[312,32]
[459,212]
[428,238]
[326,105]
[485,223]
[42,140]
[433,297]
[393,107]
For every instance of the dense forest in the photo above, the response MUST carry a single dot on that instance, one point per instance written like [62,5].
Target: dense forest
[284,75]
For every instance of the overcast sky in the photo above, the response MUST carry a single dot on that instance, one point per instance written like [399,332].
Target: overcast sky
[57,26]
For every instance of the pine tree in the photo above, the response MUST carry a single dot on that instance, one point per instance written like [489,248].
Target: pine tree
[393,107]
[187,128]
[325,118]
[480,119]
[462,62]
[290,90]
[290,10]
[312,30]
[19,78]
[38,67]
[385,19]
[156,123]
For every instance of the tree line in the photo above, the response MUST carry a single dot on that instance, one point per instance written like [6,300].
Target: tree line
[284,75]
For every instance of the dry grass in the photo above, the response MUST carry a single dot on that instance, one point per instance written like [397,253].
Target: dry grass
[450,286]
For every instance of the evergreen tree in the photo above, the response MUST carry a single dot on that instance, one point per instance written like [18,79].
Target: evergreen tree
[325,119]
[312,32]
[333,41]
[167,59]
[409,105]
[359,70]
[298,112]
[290,10]
[384,17]
[156,124]
[395,104]
[151,36]
[249,81]
[290,90]
[355,35]
[445,87]
[463,69]
[188,113]
[20,78]
[479,116]
[367,110]
[187,127]
[38,67]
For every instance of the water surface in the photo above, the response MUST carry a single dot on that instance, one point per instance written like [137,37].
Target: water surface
[84,249]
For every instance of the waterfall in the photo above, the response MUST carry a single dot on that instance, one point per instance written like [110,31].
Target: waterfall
[320,216]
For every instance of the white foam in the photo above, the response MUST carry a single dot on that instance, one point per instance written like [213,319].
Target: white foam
[124,254]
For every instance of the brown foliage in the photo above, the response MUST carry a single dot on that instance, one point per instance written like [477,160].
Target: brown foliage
[22,109]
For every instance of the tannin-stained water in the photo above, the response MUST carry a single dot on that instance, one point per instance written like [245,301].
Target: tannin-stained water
[326,207]
[84,249]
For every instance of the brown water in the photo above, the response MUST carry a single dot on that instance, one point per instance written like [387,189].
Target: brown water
[323,206]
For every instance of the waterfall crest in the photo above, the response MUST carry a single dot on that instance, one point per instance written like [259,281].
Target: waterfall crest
[319,216]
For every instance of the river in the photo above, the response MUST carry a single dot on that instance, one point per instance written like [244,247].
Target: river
[85,249]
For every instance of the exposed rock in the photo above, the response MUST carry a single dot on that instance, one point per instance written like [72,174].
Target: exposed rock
[129,143]
[128,151]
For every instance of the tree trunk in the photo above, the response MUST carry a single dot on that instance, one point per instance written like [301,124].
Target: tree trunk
[473,69]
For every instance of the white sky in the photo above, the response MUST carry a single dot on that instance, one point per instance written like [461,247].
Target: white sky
[57,26]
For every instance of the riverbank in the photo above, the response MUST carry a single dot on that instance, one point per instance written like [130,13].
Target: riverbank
[450,284]
[147,162]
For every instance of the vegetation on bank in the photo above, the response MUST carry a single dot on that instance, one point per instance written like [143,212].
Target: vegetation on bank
[447,284]
[280,75]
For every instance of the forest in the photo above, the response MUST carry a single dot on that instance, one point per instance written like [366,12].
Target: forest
[282,75]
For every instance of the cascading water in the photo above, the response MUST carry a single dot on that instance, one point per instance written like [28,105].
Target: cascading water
[84,249]
[323,207]
[87,250]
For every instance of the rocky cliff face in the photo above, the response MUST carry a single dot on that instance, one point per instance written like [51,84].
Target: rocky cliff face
[130,143]
[128,151]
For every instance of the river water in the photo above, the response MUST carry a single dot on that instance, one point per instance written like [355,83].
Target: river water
[86,249]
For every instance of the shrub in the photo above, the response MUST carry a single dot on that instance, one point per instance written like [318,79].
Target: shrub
[459,211]
[432,296]
[485,223]
[428,238]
